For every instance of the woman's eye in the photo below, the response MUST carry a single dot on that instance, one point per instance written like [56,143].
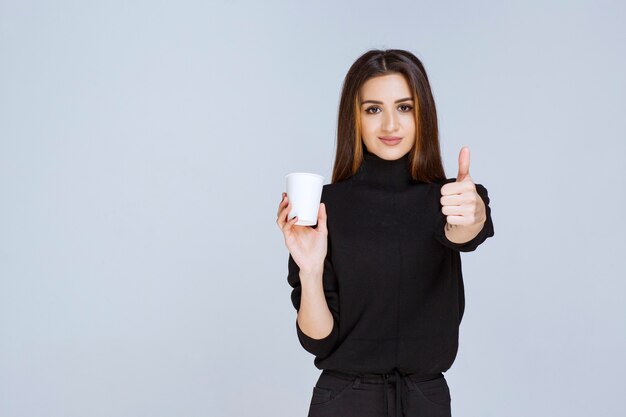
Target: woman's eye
[408,108]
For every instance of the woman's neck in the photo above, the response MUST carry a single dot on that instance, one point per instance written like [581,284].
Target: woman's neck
[389,174]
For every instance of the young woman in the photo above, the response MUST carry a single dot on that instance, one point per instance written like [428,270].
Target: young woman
[377,283]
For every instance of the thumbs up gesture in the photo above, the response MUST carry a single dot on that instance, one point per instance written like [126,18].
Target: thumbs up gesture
[460,202]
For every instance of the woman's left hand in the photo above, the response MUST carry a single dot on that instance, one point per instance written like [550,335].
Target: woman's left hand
[460,202]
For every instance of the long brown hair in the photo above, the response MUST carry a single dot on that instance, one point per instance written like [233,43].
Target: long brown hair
[424,156]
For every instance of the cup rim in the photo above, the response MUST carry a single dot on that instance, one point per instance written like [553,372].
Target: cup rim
[304,173]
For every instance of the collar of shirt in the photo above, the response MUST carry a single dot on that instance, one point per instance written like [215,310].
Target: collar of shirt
[379,172]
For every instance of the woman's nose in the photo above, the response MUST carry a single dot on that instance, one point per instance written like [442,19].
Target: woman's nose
[390,123]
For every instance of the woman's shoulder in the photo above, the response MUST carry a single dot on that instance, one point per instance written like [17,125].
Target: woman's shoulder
[337,191]
[336,187]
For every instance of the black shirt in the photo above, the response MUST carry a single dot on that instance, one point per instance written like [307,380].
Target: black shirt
[392,280]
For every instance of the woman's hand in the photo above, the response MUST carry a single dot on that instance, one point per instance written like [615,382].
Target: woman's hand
[462,205]
[460,202]
[308,246]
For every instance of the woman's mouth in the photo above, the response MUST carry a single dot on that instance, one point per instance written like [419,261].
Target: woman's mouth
[390,140]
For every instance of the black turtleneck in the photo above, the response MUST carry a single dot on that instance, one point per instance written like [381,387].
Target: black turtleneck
[378,172]
[392,280]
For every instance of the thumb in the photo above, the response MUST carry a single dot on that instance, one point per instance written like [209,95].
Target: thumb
[321,218]
[464,163]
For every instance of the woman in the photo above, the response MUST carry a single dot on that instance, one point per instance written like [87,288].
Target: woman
[377,283]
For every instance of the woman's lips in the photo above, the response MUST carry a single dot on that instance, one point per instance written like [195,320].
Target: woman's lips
[390,140]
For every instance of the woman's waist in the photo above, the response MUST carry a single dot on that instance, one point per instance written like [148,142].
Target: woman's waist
[382,377]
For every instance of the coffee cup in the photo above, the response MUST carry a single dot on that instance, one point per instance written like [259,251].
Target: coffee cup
[304,191]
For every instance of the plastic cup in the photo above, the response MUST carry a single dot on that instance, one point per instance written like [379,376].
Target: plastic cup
[304,191]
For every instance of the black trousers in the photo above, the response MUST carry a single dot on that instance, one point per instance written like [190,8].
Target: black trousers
[347,394]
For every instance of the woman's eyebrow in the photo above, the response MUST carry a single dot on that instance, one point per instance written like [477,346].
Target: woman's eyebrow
[380,102]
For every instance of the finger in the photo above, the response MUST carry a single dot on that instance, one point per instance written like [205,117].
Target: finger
[282,202]
[464,164]
[289,225]
[458,220]
[321,219]
[280,210]
[453,211]
[452,188]
[451,200]
[282,216]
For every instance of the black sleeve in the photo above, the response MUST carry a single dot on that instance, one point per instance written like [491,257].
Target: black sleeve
[318,347]
[485,232]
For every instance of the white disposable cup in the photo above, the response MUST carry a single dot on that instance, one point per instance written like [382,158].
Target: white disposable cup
[304,191]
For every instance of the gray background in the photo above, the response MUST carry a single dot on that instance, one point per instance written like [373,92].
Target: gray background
[143,148]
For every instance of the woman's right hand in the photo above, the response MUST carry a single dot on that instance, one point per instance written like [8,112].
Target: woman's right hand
[308,246]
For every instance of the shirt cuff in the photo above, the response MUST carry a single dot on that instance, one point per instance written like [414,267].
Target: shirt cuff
[318,347]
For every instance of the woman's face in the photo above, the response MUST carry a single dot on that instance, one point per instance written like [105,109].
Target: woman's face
[387,111]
